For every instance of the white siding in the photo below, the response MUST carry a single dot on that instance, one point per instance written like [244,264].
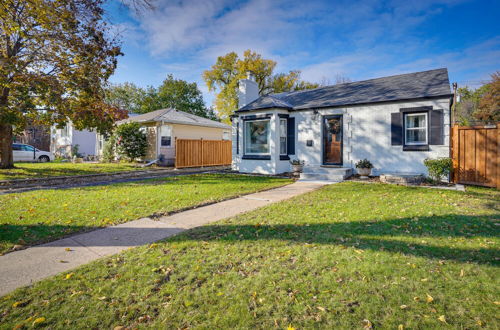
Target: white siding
[367,134]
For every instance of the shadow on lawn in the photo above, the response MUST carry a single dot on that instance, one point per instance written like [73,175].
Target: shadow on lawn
[370,235]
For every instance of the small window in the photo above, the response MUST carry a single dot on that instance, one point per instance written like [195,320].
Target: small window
[16,147]
[64,132]
[416,129]
[27,148]
[166,136]
[225,136]
[257,136]
[283,134]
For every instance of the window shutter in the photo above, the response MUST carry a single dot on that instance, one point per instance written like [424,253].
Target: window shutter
[436,127]
[238,136]
[291,136]
[396,129]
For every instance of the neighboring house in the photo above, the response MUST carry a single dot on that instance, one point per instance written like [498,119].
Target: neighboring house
[395,122]
[37,136]
[164,126]
[62,140]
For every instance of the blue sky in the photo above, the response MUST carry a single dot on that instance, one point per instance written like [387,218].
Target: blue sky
[357,39]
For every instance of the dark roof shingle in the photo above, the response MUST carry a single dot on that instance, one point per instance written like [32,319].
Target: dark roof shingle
[401,87]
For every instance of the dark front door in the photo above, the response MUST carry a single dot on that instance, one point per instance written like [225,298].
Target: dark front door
[332,140]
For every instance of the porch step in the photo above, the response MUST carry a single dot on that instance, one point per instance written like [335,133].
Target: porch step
[334,174]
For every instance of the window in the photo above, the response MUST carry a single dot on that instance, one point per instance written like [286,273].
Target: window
[16,147]
[27,148]
[416,128]
[64,132]
[225,136]
[283,133]
[257,136]
[166,136]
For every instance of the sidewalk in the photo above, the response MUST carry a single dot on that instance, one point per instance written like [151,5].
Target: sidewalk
[25,267]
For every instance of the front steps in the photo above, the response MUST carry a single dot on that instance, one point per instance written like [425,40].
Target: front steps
[325,173]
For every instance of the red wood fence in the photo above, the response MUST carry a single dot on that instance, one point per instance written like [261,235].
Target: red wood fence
[197,153]
[476,155]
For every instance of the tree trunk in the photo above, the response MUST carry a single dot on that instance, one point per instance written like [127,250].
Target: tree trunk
[6,159]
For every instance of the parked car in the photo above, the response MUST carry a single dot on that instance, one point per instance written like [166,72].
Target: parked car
[27,153]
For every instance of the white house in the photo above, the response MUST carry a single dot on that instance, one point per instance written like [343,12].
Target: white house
[395,122]
[62,140]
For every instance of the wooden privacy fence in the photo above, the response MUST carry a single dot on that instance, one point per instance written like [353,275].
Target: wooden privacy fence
[475,153]
[197,153]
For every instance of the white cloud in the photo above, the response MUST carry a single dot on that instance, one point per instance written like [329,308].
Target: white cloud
[357,39]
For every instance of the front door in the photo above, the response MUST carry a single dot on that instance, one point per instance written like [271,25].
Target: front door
[332,140]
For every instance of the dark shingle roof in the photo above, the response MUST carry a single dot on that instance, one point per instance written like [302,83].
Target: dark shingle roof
[401,87]
[175,117]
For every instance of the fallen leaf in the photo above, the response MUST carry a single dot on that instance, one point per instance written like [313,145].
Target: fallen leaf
[462,273]
[401,327]
[442,318]
[70,275]
[290,327]
[367,324]
[67,249]
[403,307]
[416,298]
[429,298]
[38,320]
[102,298]
[320,308]
[19,304]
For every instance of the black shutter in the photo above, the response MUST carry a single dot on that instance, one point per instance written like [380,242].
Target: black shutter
[436,127]
[238,136]
[291,136]
[396,129]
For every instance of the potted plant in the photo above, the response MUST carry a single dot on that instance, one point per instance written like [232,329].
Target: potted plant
[297,165]
[364,168]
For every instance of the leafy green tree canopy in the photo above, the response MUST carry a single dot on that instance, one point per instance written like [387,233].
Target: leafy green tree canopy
[224,75]
[172,93]
[55,59]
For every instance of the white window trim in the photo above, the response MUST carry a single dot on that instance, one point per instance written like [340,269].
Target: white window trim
[245,138]
[426,128]
[161,135]
[286,136]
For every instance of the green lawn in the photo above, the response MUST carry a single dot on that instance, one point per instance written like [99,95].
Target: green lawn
[348,256]
[38,170]
[42,215]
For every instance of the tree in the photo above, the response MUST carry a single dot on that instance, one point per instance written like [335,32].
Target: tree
[467,111]
[181,95]
[131,141]
[172,93]
[126,96]
[489,105]
[224,75]
[55,59]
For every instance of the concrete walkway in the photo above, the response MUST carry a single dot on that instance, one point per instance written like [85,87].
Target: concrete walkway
[21,268]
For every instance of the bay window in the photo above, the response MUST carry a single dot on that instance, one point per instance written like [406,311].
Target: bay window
[257,135]
[416,129]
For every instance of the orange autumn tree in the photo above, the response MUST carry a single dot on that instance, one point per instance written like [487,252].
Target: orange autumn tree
[55,60]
